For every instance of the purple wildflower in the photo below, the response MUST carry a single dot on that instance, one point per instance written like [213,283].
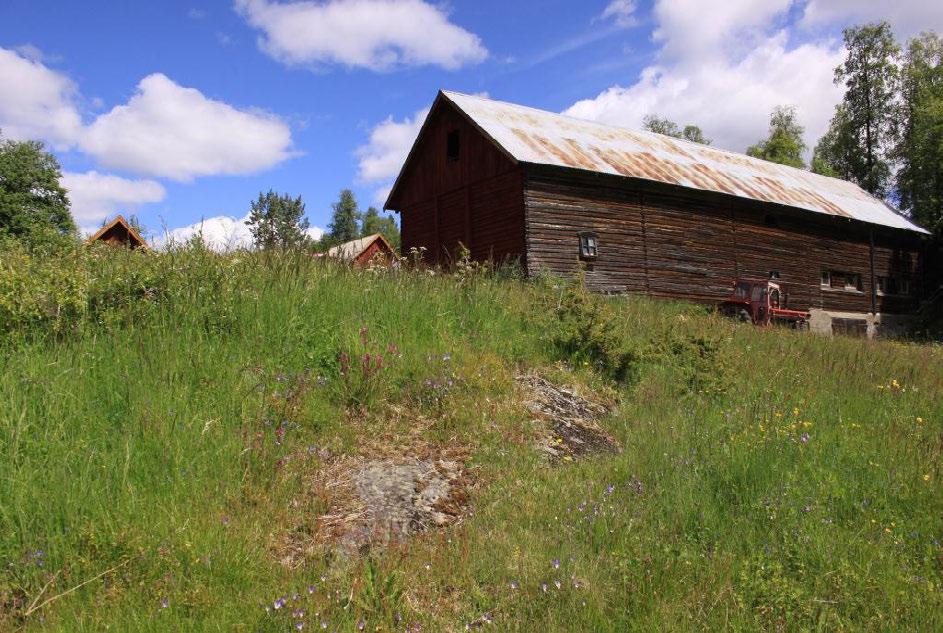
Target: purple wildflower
[311,588]
[556,563]
[543,587]
[609,489]
[299,625]
[805,438]
[514,584]
[164,603]
[361,624]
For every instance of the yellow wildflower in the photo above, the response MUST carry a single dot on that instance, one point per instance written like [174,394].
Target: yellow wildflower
[926,477]
[795,411]
[919,420]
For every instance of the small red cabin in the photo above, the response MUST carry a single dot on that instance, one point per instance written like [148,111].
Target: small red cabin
[362,251]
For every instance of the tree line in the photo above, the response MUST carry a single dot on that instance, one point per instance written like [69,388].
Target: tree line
[886,134]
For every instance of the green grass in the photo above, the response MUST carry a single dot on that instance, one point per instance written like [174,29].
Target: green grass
[139,463]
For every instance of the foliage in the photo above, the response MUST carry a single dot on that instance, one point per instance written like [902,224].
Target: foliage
[172,435]
[386,226]
[784,145]
[278,221]
[343,226]
[360,371]
[860,137]
[583,329]
[661,125]
[919,151]
[31,198]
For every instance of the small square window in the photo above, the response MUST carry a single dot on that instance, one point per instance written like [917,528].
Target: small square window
[588,246]
[826,281]
[774,274]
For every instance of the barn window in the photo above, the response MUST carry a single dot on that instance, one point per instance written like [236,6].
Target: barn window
[774,274]
[852,281]
[893,286]
[588,245]
[452,145]
[826,279]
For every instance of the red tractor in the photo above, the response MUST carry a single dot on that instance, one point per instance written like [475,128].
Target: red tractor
[762,302]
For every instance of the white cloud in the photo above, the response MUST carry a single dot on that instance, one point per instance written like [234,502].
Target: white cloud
[622,12]
[220,233]
[374,34]
[95,196]
[36,102]
[728,91]
[382,157]
[174,132]
[908,17]
[389,144]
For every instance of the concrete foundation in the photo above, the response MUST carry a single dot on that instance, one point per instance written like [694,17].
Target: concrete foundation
[829,322]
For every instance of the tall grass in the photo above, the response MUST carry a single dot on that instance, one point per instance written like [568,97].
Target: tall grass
[161,415]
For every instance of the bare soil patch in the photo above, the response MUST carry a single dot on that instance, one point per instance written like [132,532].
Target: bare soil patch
[569,420]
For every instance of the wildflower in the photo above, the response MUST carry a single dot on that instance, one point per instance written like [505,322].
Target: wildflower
[543,587]
[427,566]
[446,358]
[795,411]
[557,584]
[926,477]
[311,589]
[164,603]
[361,624]
[919,420]
[299,625]
[514,585]
[279,604]
[609,489]
[804,438]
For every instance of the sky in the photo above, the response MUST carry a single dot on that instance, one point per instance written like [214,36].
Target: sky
[182,112]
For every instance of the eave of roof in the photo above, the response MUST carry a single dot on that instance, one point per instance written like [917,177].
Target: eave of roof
[119,220]
[528,135]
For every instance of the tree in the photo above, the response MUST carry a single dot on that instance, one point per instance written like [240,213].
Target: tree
[343,226]
[919,151]
[277,221]
[860,137]
[386,226]
[31,199]
[661,125]
[784,145]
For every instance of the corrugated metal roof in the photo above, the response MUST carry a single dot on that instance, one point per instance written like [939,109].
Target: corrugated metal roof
[349,251]
[536,136]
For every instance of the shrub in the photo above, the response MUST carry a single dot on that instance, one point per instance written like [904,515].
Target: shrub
[583,330]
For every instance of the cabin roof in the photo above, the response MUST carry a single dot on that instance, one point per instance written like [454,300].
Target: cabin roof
[349,251]
[119,221]
[528,135]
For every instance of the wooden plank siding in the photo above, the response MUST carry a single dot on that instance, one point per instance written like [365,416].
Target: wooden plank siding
[476,200]
[672,242]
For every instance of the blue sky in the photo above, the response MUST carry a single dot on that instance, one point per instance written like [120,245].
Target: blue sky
[182,111]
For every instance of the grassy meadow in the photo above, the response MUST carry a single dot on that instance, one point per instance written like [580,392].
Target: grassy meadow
[163,417]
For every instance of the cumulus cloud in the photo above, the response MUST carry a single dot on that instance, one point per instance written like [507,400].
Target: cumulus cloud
[381,158]
[622,12]
[908,17]
[220,233]
[730,101]
[728,90]
[36,102]
[175,132]
[388,146]
[375,34]
[95,196]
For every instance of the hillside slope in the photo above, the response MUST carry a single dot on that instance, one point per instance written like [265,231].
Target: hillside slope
[175,430]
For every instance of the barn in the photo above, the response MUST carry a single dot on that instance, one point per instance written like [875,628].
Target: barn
[646,213]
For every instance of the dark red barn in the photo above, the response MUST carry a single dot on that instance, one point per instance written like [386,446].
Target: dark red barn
[652,214]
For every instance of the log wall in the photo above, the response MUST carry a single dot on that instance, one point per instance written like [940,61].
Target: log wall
[671,242]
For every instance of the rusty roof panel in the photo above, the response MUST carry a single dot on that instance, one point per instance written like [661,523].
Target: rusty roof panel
[536,136]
